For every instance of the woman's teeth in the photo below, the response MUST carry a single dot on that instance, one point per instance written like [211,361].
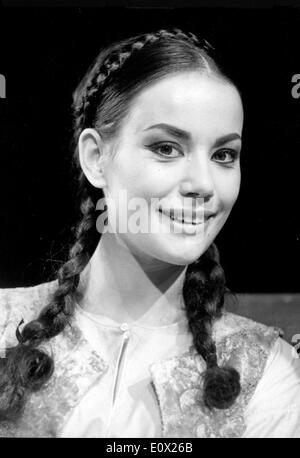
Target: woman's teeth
[186,221]
[180,220]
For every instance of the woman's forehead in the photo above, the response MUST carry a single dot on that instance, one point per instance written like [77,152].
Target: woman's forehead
[187,101]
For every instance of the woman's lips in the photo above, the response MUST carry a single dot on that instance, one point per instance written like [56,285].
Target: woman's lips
[184,226]
[184,218]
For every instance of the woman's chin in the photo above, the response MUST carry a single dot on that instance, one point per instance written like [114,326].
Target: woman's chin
[184,257]
[168,248]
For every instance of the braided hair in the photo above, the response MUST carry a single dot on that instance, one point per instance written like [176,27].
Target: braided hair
[204,289]
[102,100]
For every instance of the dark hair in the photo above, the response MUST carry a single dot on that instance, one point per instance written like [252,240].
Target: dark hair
[102,100]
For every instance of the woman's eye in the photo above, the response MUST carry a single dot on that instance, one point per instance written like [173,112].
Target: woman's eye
[164,149]
[227,156]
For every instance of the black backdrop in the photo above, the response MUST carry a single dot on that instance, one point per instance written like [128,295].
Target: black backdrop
[43,54]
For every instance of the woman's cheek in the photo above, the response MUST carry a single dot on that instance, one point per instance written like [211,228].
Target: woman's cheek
[228,189]
[153,183]
[236,189]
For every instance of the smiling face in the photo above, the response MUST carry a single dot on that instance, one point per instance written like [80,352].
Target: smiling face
[190,157]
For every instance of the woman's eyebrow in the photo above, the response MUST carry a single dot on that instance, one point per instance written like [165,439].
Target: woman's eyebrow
[227,138]
[172,130]
[186,136]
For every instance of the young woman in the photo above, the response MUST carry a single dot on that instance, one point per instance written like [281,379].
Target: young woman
[132,339]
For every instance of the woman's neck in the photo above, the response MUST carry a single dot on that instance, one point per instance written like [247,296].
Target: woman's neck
[128,288]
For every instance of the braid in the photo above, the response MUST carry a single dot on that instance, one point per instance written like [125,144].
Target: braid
[203,293]
[26,368]
[107,64]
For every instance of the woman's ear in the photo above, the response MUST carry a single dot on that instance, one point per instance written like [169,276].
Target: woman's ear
[91,157]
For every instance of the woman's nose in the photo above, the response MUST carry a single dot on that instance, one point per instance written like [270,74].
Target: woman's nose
[198,178]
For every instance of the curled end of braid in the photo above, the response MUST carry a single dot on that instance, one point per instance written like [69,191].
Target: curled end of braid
[23,370]
[25,367]
[221,387]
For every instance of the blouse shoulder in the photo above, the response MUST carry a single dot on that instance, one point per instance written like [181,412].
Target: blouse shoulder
[233,325]
[21,303]
[241,339]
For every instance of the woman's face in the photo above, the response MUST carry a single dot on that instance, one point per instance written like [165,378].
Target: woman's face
[180,146]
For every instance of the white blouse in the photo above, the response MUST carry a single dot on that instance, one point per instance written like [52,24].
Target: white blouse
[123,403]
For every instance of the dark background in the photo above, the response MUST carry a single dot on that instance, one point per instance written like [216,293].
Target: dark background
[43,54]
